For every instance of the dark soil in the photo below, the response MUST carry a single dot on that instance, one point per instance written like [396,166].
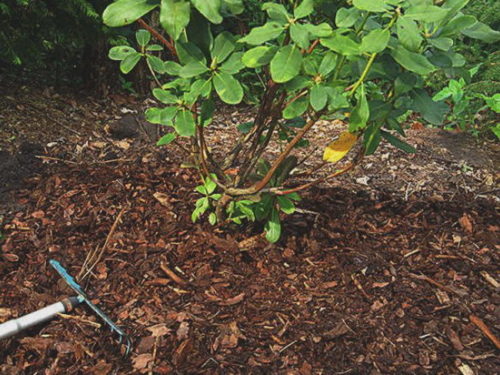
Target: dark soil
[377,273]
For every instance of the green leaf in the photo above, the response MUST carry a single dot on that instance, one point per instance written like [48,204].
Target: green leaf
[336,98]
[164,96]
[212,218]
[305,8]
[234,64]
[154,48]
[286,204]
[482,32]
[286,64]
[125,12]
[276,12]
[162,116]
[193,69]
[398,142]
[201,87]
[444,44]
[234,6]
[228,88]
[184,123]
[371,5]
[375,41]
[129,62]
[408,33]
[412,61]
[296,108]
[457,24]
[262,34]
[199,32]
[119,53]
[273,227]
[174,16]
[361,113]
[189,52]
[341,44]
[496,130]
[245,127]
[371,139]
[431,111]
[156,64]
[172,68]
[258,56]
[166,139]
[347,17]
[323,30]
[299,35]
[207,112]
[210,9]
[210,184]
[143,37]
[328,63]
[442,95]
[426,13]
[319,97]
[224,45]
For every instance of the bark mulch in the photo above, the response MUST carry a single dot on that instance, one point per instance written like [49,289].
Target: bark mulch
[390,270]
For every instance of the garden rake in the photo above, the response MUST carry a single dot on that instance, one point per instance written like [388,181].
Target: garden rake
[14,326]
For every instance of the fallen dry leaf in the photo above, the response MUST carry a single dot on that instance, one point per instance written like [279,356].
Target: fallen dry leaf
[142,361]
[466,223]
[234,300]
[159,330]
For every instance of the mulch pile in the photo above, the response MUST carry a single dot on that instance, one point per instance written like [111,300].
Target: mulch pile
[373,275]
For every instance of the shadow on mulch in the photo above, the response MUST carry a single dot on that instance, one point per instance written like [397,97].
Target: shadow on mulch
[340,294]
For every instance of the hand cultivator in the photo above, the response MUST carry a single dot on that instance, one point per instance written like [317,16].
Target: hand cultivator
[14,326]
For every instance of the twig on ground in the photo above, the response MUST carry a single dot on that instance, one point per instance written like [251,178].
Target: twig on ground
[80,319]
[458,292]
[484,328]
[172,275]
[55,159]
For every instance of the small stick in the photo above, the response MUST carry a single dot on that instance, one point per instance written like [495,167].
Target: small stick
[172,275]
[484,328]
[435,283]
[55,159]
[80,319]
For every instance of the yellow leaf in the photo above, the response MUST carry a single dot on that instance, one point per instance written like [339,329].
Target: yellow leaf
[336,150]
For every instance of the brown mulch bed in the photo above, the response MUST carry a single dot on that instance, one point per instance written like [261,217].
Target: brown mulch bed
[376,276]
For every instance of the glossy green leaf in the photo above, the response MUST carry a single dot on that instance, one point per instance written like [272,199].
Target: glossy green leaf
[162,116]
[224,45]
[276,12]
[347,17]
[156,64]
[193,69]
[286,64]
[305,8]
[393,140]
[412,61]
[207,112]
[361,113]
[262,34]
[426,13]
[375,41]
[129,62]
[296,108]
[323,30]
[172,68]
[164,96]
[371,139]
[409,33]
[273,227]
[319,97]
[299,35]
[336,98]
[119,53]
[328,64]
[258,56]
[432,111]
[154,48]
[444,44]
[286,204]
[199,32]
[482,32]
[341,44]
[201,87]
[234,64]
[143,37]
[245,127]
[174,16]
[371,5]
[234,6]
[125,12]
[457,24]
[184,123]
[228,88]
[210,9]
[189,52]
[166,139]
